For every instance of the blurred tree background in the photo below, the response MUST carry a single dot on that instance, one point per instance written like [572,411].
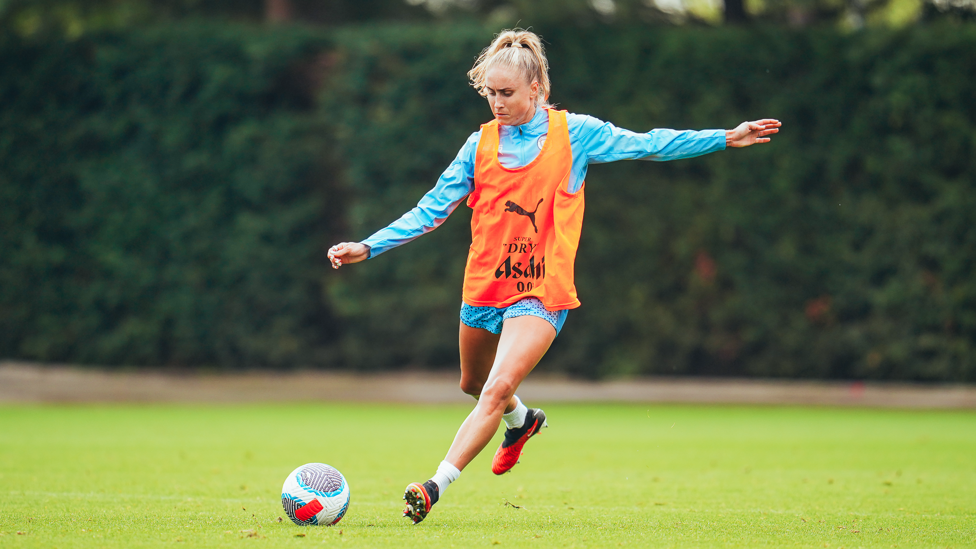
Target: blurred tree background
[172,171]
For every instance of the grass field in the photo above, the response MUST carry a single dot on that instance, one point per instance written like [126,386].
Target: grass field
[601,476]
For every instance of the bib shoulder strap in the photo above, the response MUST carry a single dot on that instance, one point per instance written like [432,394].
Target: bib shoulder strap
[558,119]
[487,143]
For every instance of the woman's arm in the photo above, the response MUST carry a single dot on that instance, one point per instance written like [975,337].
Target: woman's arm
[452,187]
[604,142]
[595,141]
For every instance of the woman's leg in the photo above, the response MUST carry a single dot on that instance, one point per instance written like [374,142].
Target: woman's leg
[478,347]
[492,367]
[522,343]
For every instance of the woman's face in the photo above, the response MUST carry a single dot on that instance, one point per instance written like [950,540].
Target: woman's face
[511,98]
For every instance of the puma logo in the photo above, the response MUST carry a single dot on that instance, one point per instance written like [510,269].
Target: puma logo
[513,207]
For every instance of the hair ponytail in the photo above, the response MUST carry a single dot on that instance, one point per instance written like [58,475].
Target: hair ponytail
[517,49]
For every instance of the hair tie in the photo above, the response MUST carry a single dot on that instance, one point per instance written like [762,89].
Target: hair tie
[514,45]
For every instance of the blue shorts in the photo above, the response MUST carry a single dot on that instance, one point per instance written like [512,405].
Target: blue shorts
[491,318]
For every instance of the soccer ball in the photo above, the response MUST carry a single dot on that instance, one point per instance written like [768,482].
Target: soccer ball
[315,494]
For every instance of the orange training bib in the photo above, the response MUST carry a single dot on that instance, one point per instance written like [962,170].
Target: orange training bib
[525,226]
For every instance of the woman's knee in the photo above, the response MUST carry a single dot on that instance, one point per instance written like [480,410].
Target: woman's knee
[471,387]
[498,392]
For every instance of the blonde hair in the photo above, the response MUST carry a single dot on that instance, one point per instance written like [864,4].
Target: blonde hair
[517,49]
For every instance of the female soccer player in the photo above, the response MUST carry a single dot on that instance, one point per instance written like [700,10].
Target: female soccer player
[522,174]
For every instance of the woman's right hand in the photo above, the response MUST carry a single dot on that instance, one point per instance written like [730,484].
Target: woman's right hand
[348,252]
[751,133]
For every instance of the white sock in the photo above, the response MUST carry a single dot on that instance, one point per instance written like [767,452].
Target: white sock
[516,418]
[445,475]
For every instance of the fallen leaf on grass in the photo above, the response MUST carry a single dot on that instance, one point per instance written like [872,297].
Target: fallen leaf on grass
[279,519]
[510,504]
[19,533]
[302,535]
[251,534]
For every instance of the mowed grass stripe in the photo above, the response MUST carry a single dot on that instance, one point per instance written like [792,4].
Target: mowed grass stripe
[601,476]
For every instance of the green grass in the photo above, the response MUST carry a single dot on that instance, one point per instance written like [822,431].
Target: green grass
[601,476]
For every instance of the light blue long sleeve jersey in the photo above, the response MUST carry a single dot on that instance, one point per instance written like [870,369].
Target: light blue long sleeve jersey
[592,141]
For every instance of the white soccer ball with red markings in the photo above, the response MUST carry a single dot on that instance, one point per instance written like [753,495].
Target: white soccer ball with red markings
[315,494]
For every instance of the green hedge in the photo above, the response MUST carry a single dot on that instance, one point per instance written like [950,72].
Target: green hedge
[168,193]
[164,199]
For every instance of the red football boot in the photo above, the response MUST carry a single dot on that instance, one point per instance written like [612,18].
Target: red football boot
[510,451]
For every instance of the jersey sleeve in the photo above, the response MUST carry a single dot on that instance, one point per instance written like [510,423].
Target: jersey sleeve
[603,142]
[452,187]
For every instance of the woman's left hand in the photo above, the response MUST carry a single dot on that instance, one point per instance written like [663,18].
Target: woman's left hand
[749,133]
